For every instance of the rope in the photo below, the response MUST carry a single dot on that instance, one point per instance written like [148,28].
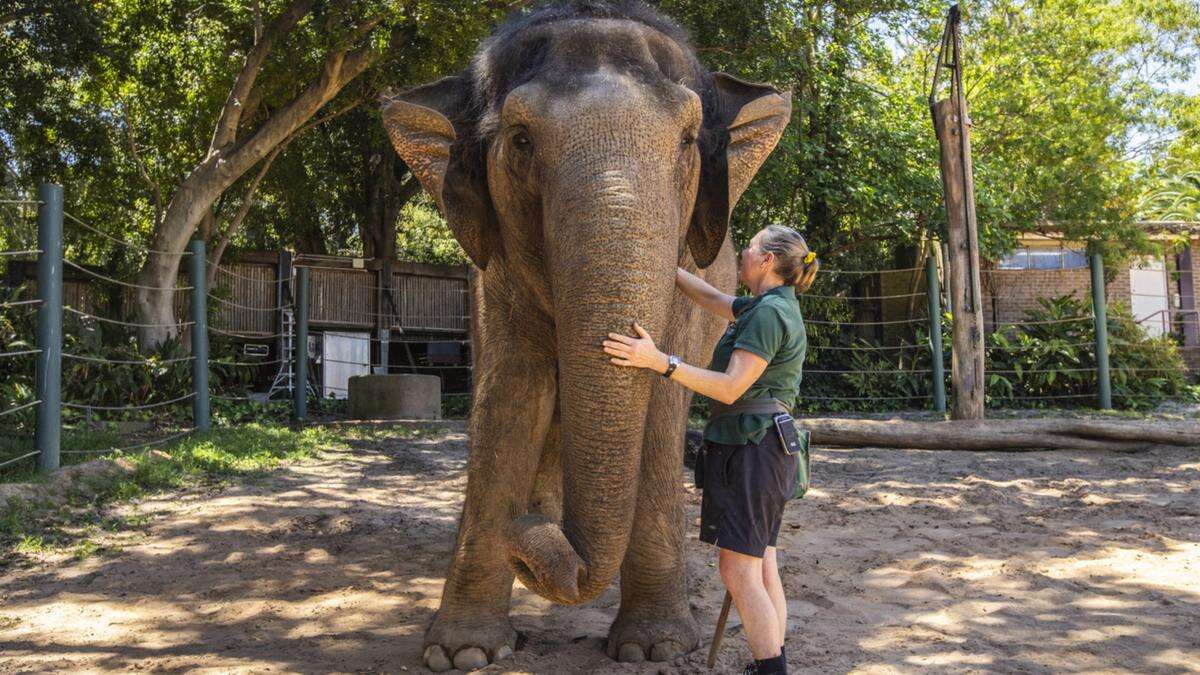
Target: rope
[19,408]
[1017,348]
[861,398]
[14,460]
[123,283]
[246,363]
[27,352]
[246,336]
[119,362]
[15,253]
[253,309]
[78,406]
[22,201]
[139,446]
[6,305]
[1037,398]
[862,323]
[868,348]
[1042,323]
[120,241]
[226,270]
[902,269]
[860,297]
[855,372]
[128,323]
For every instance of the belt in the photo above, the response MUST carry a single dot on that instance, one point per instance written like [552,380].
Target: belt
[752,406]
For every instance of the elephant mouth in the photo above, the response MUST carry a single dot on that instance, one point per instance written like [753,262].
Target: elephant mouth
[544,560]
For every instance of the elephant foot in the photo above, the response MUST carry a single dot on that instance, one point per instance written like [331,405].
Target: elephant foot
[654,638]
[468,643]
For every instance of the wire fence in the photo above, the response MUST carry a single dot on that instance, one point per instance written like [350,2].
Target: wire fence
[877,340]
[70,362]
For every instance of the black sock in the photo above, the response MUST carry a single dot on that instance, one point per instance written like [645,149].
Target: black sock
[772,666]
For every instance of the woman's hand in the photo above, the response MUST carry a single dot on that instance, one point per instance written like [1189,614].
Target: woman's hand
[635,352]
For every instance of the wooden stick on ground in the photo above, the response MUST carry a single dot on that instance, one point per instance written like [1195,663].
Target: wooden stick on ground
[720,632]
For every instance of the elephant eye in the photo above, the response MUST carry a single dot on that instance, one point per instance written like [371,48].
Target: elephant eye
[688,139]
[521,141]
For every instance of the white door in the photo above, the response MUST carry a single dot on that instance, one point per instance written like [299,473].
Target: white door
[343,355]
[1148,288]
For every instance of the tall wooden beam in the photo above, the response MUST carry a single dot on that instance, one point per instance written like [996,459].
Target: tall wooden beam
[951,122]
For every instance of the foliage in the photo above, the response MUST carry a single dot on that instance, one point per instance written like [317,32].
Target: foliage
[1054,364]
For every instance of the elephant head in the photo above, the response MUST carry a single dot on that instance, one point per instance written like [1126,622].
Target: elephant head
[582,155]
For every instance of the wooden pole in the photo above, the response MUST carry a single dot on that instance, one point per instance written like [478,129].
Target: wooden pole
[967,338]
[719,634]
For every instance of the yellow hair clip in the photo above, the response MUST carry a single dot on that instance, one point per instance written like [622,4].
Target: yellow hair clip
[812,255]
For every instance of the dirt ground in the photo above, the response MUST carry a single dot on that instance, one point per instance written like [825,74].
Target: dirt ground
[897,561]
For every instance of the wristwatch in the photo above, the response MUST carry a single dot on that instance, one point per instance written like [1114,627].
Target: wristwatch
[672,362]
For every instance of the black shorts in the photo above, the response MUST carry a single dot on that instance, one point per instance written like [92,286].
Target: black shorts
[745,490]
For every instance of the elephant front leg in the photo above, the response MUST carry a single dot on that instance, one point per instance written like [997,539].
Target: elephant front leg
[655,621]
[513,408]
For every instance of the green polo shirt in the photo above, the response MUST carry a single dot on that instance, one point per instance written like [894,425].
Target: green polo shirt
[769,325]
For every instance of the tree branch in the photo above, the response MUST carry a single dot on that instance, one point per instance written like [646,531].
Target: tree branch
[155,189]
[231,113]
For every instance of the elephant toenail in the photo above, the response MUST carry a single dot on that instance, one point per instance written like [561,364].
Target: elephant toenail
[631,652]
[435,658]
[470,658]
[667,650]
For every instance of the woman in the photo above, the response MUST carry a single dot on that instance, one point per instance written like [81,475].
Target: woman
[747,477]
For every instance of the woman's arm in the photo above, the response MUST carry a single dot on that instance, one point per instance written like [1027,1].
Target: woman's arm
[743,370]
[703,294]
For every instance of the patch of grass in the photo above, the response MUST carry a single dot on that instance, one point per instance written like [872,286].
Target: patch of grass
[222,456]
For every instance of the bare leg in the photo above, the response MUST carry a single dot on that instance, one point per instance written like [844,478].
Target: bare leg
[743,576]
[774,586]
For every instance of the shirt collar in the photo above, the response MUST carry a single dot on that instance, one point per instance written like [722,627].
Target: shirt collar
[784,291]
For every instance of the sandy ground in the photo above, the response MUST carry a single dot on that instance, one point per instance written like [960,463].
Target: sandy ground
[896,562]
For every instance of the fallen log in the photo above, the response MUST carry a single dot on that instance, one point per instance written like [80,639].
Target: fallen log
[1012,435]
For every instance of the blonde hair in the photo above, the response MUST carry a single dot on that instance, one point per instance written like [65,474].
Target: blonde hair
[794,262]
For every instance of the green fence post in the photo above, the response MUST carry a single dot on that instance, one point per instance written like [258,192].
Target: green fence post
[300,346]
[200,404]
[935,334]
[1100,312]
[49,329]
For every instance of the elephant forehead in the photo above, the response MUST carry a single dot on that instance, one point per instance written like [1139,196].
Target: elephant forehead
[565,53]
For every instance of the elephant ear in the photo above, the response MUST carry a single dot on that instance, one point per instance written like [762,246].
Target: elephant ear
[447,158]
[749,119]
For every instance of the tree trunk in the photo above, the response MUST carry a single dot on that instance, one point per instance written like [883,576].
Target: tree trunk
[1002,435]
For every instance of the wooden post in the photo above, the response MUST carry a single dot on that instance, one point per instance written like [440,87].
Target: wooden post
[950,121]
[965,306]
[383,314]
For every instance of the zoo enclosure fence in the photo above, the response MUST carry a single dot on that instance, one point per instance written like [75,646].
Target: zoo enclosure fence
[911,342]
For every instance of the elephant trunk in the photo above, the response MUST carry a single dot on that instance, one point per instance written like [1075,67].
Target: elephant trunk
[611,259]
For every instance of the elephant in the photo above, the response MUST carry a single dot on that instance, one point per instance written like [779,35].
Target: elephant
[580,158]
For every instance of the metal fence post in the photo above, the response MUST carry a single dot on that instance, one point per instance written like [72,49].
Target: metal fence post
[300,347]
[200,404]
[935,334]
[49,329]
[1100,312]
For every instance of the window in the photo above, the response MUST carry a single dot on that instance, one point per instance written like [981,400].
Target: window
[1044,259]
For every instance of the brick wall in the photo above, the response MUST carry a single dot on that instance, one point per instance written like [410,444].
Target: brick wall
[1191,347]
